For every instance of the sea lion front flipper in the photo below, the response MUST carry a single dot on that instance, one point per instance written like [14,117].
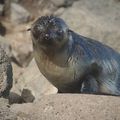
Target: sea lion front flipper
[89,85]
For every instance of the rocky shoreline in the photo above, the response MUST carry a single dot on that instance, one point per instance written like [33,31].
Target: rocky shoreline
[31,96]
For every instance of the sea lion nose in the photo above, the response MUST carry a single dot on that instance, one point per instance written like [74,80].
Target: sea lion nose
[46,36]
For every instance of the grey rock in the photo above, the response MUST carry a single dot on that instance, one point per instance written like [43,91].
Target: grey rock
[97,19]
[70,107]
[1,9]
[5,74]
[15,98]
[5,113]
[32,84]
[27,96]
[19,14]
[5,7]
[4,43]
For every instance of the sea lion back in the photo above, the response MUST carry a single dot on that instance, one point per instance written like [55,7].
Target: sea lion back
[104,63]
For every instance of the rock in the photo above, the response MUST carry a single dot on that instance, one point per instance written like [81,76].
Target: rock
[39,7]
[21,47]
[62,3]
[18,71]
[19,14]
[2,29]
[16,1]
[4,43]
[1,9]
[71,107]
[5,74]
[15,95]
[22,57]
[27,95]
[32,84]
[5,7]
[59,12]
[4,102]
[15,98]
[5,113]
[92,19]
[45,7]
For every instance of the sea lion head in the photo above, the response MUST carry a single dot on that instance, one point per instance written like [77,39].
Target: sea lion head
[49,32]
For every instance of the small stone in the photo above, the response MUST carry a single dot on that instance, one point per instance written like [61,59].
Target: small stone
[27,96]
[15,98]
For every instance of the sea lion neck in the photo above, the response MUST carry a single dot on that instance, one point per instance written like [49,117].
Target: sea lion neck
[58,56]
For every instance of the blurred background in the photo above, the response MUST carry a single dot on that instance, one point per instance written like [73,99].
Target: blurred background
[97,19]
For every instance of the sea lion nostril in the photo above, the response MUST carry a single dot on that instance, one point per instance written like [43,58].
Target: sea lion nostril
[46,36]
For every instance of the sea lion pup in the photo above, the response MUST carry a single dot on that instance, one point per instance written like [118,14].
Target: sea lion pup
[74,63]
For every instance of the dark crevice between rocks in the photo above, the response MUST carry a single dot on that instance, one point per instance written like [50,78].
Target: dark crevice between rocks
[2,1]
[2,30]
